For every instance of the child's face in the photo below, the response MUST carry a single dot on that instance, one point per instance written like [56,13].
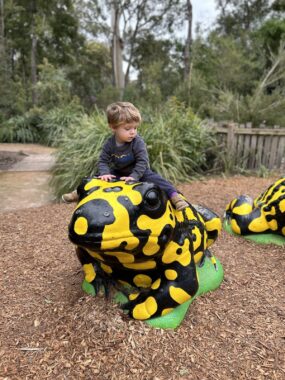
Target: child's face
[125,132]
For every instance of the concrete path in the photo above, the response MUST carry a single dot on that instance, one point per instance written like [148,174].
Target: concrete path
[36,157]
[26,183]
[34,162]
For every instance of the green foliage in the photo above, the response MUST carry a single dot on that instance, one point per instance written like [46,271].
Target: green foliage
[53,88]
[265,104]
[108,95]
[55,25]
[40,126]
[225,64]
[158,64]
[56,122]
[12,99]
[278,6]
[21,129]
[176,140]
[239,17]
[78,152]
[263,172]
[271,34]
[91,76]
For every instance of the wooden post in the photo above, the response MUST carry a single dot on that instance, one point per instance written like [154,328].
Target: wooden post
[230,137]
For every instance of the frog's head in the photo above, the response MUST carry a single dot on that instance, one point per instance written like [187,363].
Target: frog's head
[118,216]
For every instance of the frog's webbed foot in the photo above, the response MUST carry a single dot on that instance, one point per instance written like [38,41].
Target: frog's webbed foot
[125,290]
[210,256]
[102,283]
[97,279]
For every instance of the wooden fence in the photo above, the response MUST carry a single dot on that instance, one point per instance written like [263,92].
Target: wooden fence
[252,147]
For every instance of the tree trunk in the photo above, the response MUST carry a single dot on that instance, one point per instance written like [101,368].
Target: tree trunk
[34,63]
[188,44]
[2,31]
[117,51]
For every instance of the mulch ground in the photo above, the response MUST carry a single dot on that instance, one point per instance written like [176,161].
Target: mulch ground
[49,329]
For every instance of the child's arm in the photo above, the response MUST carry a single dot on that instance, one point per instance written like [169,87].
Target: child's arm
[103,161]
[141,157]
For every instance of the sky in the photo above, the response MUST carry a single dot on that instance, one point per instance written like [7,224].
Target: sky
[204,13]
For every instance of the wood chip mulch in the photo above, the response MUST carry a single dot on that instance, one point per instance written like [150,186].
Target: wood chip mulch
[49,329]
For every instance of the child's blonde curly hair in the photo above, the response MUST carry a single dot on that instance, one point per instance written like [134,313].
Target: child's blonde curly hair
[122,112]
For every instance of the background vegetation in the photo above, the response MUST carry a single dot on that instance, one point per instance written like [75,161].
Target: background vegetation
[62,62]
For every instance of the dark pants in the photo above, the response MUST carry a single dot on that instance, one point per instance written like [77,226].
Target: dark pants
[150,176]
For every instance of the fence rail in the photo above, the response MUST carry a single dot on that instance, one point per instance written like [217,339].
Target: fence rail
[252,147]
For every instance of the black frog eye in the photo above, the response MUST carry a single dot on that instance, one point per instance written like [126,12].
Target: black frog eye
[152,199]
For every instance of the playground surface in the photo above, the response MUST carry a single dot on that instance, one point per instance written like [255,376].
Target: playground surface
[49,329]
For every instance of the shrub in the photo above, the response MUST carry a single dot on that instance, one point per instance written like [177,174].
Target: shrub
[22,129]
[57,121]
[177,142]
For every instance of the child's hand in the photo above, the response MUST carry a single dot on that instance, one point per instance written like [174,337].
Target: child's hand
[126,179]
[106,177]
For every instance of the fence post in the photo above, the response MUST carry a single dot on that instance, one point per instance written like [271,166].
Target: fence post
[230,138]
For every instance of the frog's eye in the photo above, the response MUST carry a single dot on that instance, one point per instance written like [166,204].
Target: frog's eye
[152,199]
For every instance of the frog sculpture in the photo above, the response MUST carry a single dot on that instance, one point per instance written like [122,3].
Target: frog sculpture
[263,215]
[129,234]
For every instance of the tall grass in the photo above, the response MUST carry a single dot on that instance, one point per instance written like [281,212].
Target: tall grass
[78,152]
[176,140]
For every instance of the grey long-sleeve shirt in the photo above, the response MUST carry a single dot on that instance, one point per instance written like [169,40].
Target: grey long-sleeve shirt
[127,160]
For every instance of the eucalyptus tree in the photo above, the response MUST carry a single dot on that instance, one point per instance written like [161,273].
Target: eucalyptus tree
[2,29]
[188,43]
[126,23]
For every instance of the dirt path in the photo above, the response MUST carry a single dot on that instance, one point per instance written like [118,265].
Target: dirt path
[50,330]
[24,176]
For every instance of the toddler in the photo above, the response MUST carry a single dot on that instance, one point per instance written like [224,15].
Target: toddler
[124,154]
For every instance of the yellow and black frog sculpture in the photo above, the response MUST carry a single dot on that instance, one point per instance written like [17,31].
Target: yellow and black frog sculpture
[129,234]
[263,215]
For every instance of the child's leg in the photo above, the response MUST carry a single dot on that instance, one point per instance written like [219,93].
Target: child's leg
[175,198]
[70,197]
[73,196]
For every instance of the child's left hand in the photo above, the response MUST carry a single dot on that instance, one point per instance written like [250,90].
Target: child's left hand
[126,179]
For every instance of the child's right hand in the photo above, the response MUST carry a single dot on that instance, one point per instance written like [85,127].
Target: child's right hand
[106,177]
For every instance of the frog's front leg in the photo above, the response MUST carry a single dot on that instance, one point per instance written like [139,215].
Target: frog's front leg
[92,272]
[209,255]
[176,285]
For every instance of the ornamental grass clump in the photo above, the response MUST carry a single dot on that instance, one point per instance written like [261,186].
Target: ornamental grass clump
[177,142]
[78,152]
